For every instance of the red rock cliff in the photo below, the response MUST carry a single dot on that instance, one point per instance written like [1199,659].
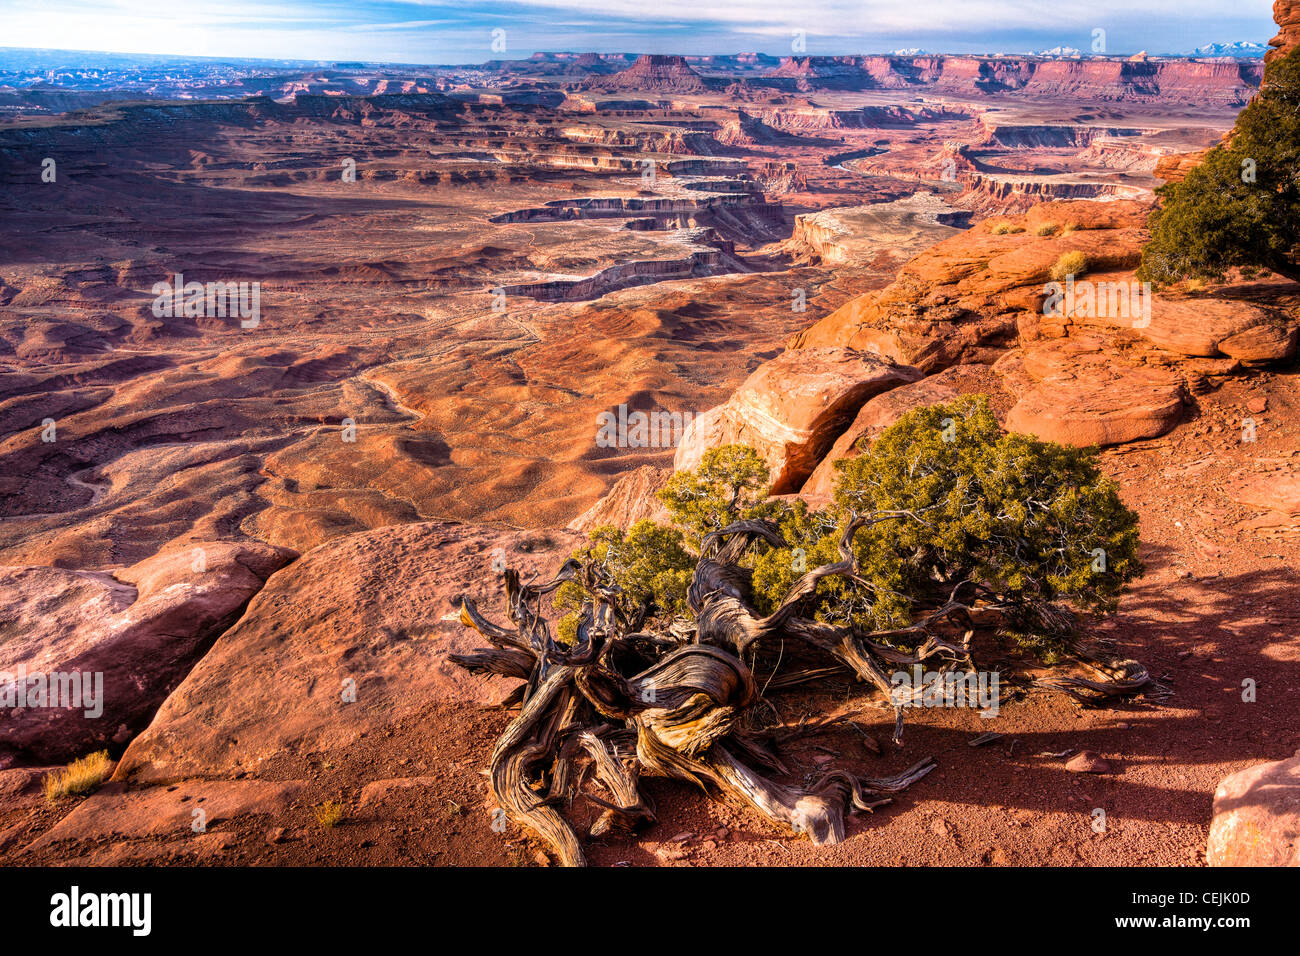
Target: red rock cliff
[1219,82]
[1287,15]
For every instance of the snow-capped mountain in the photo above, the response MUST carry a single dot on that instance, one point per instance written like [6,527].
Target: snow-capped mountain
[1240,48]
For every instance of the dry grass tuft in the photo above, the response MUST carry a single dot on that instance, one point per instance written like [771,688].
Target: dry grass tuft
[80,776]
[330,814]
[1071,264]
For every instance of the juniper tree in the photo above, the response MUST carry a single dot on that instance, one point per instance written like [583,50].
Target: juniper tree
[1240,208]
[944,525]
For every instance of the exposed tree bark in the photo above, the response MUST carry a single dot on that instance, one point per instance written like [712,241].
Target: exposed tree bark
[622,703]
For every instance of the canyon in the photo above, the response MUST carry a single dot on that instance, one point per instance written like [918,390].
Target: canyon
[460,272]
[502,272]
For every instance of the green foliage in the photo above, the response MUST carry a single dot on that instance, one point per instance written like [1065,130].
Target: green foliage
[729,485]
[1032,521]
[648,562]
[812,537]
[566,627]
[1020,514]
[1070,264]
[1023,517]
[1240,208]
[651,562]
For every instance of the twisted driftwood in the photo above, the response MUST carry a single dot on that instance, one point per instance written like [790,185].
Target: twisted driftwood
[621,702]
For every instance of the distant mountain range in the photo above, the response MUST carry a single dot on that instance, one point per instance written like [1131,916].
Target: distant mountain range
[23,60]
[1240,48]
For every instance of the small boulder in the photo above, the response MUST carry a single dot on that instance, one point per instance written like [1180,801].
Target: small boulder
[1085,761]
[1212,327]
[1257,817]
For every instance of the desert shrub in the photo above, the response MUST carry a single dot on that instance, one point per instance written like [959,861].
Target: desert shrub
[1240,208]
[1070,264]
[329,814]
[648,562]
[1046,229]
[1033,522]
[1005,227]
[566,626]
[651,563]
[729,484]
[1069,227]
[812,537]
[81,776]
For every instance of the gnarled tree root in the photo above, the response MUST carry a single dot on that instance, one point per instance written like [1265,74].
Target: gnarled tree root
[623,702]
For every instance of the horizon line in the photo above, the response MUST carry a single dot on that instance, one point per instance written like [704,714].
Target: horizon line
[317,61]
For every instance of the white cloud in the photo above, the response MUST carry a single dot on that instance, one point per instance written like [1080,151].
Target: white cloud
[454,30]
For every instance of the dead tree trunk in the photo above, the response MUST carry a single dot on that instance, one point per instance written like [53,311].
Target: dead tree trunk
[622,703]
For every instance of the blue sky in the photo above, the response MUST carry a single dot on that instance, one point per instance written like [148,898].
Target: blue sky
[460,31]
